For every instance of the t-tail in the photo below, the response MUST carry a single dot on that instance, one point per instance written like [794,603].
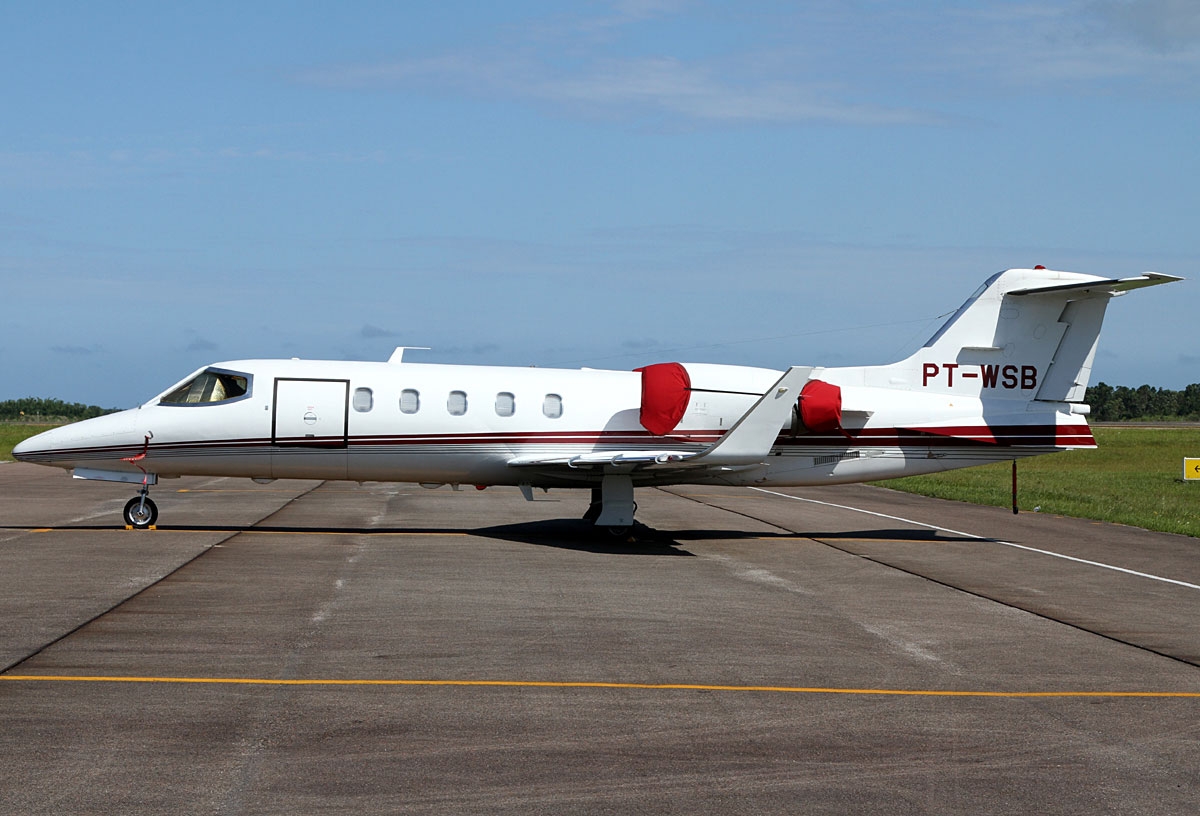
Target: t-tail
[1026,334]
[1004,378]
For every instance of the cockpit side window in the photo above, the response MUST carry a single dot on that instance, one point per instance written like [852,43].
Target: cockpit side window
[209,387]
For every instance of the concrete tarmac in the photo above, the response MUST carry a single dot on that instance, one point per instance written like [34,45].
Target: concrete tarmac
[326,647]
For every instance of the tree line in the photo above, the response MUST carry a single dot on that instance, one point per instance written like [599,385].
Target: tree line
[1120,403]
[39,409]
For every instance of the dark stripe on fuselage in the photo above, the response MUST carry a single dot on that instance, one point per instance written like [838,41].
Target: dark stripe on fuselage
[983,436]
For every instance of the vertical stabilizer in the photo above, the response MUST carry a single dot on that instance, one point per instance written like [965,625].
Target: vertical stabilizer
[1025,334]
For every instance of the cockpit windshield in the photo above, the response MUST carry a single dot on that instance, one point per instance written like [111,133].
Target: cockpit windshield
[209,386]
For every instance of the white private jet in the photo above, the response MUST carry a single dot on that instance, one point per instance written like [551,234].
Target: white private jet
[1004,378]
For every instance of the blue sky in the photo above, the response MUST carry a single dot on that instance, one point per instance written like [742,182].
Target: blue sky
[604,184]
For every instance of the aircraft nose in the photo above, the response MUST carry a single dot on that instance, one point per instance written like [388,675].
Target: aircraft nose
[27,449]
[60,446]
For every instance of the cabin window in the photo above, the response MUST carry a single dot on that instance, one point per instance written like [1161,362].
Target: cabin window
[209,387]
[552,406]
[363,400]
[506,404]
[456,404]
[410,401]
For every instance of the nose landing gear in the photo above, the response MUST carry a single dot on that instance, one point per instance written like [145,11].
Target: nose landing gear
[141,512]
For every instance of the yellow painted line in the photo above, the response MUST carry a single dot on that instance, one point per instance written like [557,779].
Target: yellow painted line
[570,684]
[242,490]
[253,490]
[371,533]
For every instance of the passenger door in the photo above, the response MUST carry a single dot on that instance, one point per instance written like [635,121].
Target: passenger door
[309,428]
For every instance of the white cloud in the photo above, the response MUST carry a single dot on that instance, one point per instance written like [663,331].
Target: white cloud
[621,88]
[693,91]
[825,64]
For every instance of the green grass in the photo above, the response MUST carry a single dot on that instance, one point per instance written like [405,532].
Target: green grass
[13,432]
[1134,477]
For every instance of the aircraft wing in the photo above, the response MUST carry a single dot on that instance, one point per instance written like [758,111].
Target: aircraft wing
[748,442]
[597,458]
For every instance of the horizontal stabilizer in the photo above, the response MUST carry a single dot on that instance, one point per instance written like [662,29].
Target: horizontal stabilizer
[1113,285]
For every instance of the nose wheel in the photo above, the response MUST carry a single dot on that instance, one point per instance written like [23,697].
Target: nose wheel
[141,512]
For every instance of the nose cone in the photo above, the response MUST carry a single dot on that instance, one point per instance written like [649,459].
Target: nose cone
[67,445]
[39,446]
[24,451]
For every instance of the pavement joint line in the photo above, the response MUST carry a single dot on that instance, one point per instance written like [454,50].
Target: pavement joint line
[582,684]
[985,538]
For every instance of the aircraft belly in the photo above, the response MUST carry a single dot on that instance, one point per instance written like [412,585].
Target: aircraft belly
[212,463]
[853,465]
[464,467]
[309,463]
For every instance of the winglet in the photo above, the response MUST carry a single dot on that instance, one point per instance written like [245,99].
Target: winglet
[750,440]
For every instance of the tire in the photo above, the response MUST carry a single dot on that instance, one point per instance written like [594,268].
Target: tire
[140,514]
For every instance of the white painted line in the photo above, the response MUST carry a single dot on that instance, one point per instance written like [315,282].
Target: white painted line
[985,538]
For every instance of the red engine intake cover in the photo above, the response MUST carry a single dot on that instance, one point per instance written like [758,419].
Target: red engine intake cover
[666,389]
[821,406]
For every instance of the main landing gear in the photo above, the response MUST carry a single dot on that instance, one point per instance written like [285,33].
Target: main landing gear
[141,512]
[612,505]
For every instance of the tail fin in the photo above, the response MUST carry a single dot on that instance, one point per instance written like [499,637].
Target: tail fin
[1025,334]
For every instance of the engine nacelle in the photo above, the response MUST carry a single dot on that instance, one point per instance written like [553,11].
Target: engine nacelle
[819,408]
[667,390]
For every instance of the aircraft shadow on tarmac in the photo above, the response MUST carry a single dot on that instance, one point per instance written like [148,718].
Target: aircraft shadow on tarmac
[581,536]
[571,534]
[568,534]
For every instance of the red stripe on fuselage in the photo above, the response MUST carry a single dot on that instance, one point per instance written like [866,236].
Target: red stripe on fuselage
[951,436]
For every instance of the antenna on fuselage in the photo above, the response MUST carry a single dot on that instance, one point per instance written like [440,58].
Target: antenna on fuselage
[398,355]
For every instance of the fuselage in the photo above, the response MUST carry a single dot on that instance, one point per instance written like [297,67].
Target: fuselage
[1004,378]
[437,424]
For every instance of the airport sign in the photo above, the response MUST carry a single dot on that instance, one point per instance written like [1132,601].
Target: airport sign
[1191,469]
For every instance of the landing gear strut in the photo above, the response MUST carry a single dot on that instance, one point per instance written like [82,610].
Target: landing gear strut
[612,506]
[141,512]
[593,511]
